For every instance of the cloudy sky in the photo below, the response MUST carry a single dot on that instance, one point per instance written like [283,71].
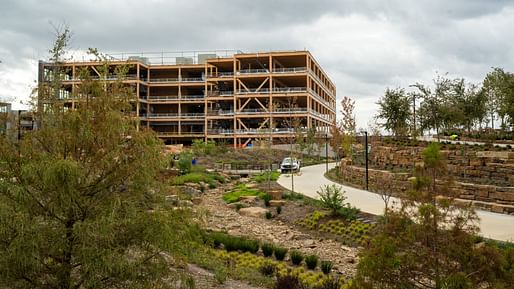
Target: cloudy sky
[363,45]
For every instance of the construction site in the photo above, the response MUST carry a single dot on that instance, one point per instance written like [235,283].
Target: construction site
[226,96]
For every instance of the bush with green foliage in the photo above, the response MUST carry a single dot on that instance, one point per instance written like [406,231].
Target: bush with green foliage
[267,249]
[348,213]
[280,253]
[185,163]
[241,190]
[279,210]
[296,257]
[209,178]
[332,197]
[268,215]
[311,261]
[326,267]
[231,243]
[266,198]
[200,147]
[265,176]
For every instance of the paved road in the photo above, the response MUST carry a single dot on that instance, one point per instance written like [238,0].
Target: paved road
[492,225]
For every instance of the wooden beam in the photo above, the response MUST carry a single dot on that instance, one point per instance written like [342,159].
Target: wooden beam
[262,84]
[241,123]
[247,101]
[94,69]
[263,123]
[242,84]
[261,104]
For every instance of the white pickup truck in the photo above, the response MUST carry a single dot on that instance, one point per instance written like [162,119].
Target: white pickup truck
[290,165]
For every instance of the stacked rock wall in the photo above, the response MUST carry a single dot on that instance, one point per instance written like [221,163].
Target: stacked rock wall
[485,178]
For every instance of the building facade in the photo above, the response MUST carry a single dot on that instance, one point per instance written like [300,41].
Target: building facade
[232,97]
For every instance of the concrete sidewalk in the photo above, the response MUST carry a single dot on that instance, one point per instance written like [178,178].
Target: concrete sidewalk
[311,178]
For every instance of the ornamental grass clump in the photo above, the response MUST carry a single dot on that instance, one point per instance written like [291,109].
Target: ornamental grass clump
[311,261]
[296,257]
[280,253]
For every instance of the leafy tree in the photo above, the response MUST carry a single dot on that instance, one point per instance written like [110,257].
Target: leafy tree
[394,109]
[79,204]
[429,241]
[498,89]
[347,124]
[331,197]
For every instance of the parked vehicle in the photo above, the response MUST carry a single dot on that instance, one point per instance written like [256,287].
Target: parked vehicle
[290,165]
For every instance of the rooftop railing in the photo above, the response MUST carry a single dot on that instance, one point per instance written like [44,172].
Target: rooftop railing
[290,70]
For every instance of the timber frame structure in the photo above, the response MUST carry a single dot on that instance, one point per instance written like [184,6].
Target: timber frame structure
[235,98]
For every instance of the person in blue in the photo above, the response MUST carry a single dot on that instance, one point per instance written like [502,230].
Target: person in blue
[193,161]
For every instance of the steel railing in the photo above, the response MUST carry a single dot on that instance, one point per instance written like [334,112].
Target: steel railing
[220,112]
[220,131]
[252,71]
[192,97]
[290,89]
[290,70]
[221,74]
[253,90]
[220,93]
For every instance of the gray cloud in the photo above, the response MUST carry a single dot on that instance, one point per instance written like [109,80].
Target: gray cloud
[365,46]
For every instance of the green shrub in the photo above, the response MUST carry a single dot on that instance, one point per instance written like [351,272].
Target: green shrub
[280,253]
[241,190]
[279,210]
[247,245]
[331,197]
[184,163]
[296,257]
[267,249]
[326,267]
[348,212]
[266,198]
[269,215]
[268,269]
[200,147]
[263,177]
[311,261]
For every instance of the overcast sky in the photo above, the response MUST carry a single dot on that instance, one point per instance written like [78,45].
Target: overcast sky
[363,45]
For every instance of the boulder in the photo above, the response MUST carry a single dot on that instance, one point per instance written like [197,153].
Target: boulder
[277,203]
[196,200]
[251,200]
[256,212]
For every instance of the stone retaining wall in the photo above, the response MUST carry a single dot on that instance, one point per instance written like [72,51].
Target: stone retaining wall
[464,164]
[499,199]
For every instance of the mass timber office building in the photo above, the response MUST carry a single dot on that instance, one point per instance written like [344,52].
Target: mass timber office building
[226,96]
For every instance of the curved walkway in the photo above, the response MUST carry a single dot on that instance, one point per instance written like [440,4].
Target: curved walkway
[492,225]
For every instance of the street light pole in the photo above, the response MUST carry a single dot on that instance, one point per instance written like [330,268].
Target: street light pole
[366,150]
[326,152]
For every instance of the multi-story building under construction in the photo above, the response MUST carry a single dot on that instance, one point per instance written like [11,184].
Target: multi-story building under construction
[226,96]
